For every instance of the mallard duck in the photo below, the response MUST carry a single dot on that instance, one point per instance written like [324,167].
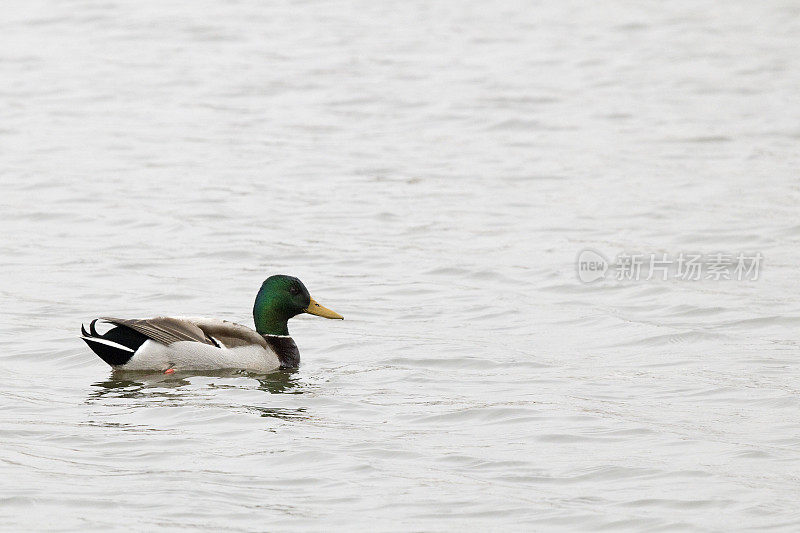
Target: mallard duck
[168,344]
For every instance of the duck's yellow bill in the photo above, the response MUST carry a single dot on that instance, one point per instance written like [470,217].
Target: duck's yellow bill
[315,309]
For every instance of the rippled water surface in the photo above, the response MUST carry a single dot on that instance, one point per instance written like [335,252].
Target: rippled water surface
[431,171]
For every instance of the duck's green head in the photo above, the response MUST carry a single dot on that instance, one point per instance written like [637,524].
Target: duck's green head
[279,299]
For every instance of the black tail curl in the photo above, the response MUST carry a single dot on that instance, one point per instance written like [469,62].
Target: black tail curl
[117,346]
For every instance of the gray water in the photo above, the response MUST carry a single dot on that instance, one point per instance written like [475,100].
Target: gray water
[431,171]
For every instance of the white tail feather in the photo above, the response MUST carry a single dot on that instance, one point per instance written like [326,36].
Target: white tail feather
[107,343]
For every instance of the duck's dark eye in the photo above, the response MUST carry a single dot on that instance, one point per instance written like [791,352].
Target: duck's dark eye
[294,290]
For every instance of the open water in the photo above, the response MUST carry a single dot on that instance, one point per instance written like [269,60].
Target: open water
[430,170]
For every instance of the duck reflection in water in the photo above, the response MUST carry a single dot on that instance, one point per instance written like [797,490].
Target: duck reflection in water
[149,386]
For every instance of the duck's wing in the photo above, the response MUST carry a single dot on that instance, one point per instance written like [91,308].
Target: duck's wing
[229,334]
[165,330]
